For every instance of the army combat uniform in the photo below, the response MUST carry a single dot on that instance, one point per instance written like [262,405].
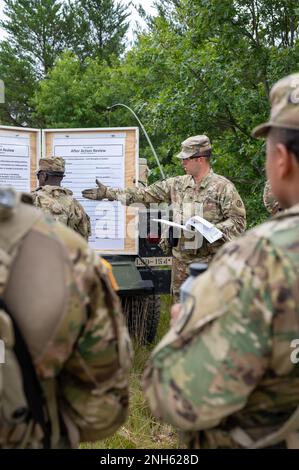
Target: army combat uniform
[58,201]
[225,365]
[227,372]
[60,296]
[270,202]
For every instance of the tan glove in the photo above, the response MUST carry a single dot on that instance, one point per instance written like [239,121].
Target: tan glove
[98,193]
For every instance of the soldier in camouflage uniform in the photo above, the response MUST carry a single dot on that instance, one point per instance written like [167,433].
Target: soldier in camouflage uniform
[58,201]
[226,372]
[199,192]
[71,321]
[270,202]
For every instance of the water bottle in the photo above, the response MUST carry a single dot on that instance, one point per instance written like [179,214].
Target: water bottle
[195,270]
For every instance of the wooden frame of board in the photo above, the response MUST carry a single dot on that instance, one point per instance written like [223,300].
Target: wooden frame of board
[34,146]
[131,174]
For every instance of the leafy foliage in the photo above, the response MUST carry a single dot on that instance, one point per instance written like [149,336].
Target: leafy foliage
[36,31]
[202,66]
[99,28]
[39,31]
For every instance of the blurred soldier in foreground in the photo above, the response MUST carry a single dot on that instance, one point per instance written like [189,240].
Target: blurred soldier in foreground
[199,192]
[270,202]
[58,201]
[226,372]
[72,326]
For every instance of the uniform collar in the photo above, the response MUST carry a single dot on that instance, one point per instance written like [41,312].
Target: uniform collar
[206,180]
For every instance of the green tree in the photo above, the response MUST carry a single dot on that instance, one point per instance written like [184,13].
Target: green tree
[73,96]
[99,28]
[19,82]
[37,31]
[218,61]
[204,66]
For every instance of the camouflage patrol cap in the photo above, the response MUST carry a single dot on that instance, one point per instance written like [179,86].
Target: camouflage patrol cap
[284,99]
[193,146]
[52,165]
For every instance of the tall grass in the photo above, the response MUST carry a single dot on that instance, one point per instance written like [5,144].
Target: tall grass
[142,430]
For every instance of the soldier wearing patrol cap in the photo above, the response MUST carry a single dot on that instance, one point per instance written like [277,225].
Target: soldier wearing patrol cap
[199,192]
[227,372]
[58,201]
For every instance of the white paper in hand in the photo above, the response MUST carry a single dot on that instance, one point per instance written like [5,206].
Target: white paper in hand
[206,228]
[203,226]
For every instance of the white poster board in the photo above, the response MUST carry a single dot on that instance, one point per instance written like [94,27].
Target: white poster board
[19,149]
[110,155]
[89,157]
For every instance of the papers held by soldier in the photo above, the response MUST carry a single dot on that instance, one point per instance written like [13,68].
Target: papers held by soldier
[203,226]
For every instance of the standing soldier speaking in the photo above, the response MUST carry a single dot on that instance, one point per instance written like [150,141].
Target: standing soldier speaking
[199,192]
[58,201]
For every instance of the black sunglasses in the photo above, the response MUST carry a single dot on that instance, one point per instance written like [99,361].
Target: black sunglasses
[193,156]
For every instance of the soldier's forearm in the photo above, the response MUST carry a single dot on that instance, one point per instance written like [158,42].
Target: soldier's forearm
[132,196]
